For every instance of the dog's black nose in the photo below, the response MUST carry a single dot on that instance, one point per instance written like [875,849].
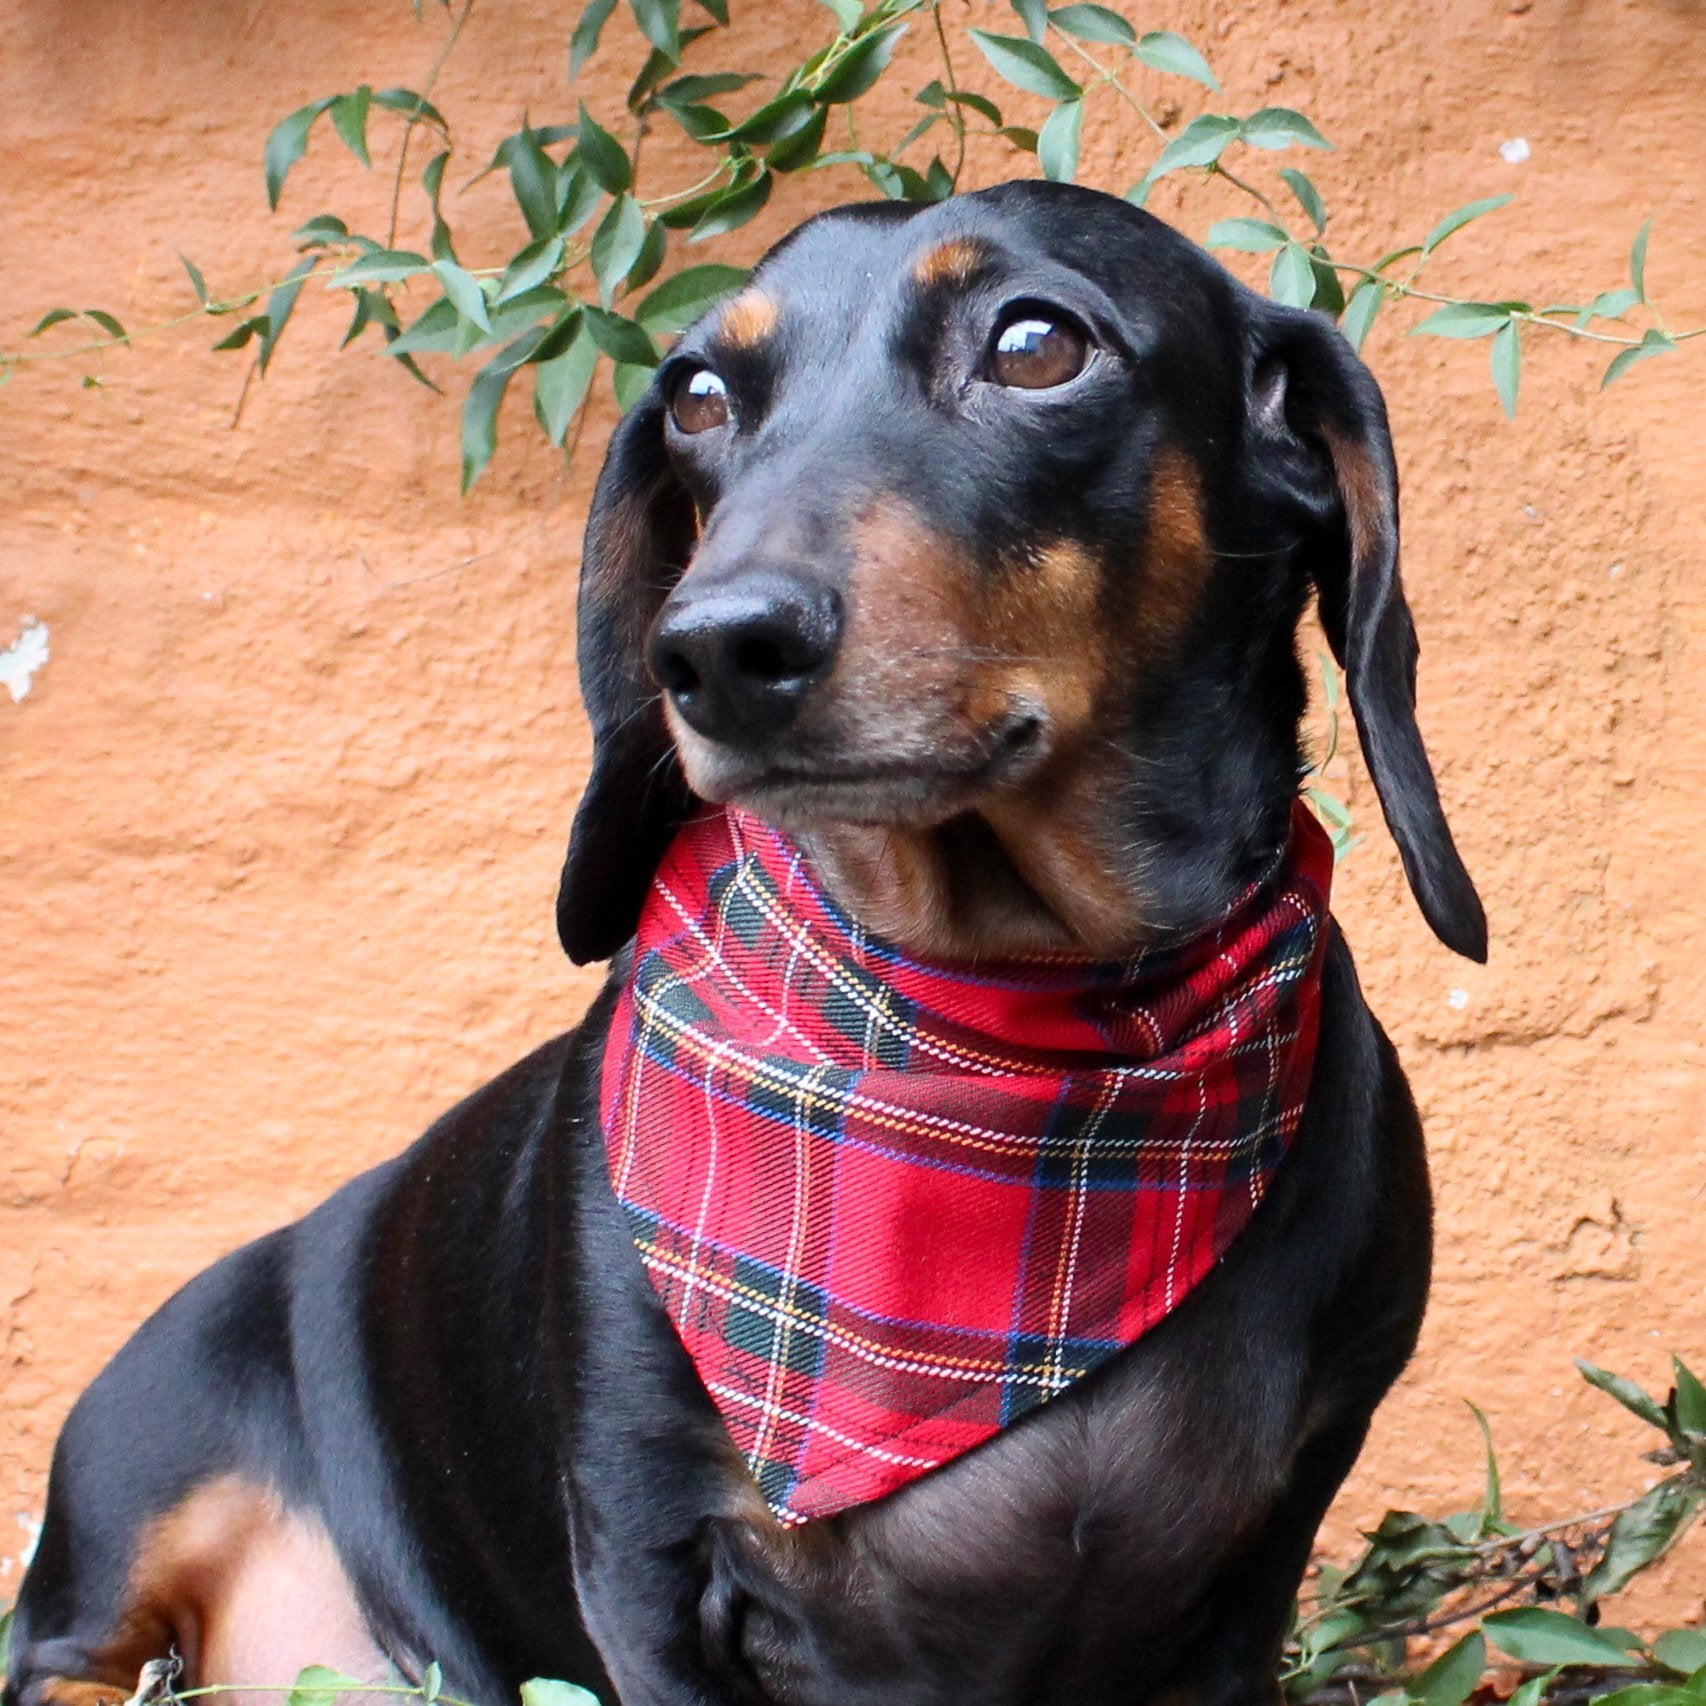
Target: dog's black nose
[738,660]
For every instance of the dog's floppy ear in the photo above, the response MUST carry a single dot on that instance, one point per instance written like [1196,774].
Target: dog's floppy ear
[1321,417]
[639,535]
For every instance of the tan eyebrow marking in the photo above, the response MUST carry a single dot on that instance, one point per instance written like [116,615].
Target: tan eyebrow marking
[748,320]
[953,262]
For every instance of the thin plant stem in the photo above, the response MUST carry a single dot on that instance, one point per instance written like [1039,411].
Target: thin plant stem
[414,118]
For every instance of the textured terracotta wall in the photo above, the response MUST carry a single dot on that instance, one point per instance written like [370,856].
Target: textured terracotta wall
[280,820]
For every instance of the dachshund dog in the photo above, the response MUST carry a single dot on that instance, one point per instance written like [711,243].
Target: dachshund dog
[967,546]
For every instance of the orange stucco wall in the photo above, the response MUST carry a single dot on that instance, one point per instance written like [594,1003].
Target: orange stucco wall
[281,817]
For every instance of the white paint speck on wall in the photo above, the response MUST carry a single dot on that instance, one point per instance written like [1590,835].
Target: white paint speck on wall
[1514,152]
[20,660]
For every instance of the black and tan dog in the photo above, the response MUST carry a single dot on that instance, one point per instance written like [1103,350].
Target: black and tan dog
[969,543]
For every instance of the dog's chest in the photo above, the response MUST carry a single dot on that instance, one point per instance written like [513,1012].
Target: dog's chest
[1067,1549]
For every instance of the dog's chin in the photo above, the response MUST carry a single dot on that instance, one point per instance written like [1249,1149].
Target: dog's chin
[800,794]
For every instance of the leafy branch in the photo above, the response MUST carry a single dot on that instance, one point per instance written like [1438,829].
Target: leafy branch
[582,294]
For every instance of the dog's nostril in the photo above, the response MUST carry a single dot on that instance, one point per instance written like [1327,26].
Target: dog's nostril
[675,672]
[762,659]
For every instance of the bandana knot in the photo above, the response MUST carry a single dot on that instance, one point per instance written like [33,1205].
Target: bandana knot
[890,1206]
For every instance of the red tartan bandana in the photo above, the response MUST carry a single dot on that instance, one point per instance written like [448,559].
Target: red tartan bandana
[892,1206]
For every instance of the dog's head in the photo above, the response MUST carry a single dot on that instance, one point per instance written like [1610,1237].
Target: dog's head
[969,544]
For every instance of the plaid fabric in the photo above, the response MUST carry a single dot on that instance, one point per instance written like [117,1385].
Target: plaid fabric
[890,1206]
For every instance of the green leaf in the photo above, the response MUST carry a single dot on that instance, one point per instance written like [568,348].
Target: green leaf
[1092,23]
[859,68]
[240,334]
[480,414]
[325,228]
[660,24]
[381,266]
[562,332]
[280,305]
[846,14]
[544,1692]
[1200,143]
[1507,365]
[1280,127]
[795,152]
[1166,50]
[1681,1650]
[288,143]
[1454,222]
[603,155]
[616,245]
[1608,305]
[362,317]
[1291,279]
[108,323]
[1026,65]
[531,267]
[533,179]
[1248,236]
[197,283]
[1533,1692]
[1058,140]
[630,384]
[1452,1677]
[411,105]
[1638,261]
[1533,1635]
[560,386]
[679,301]
[578,196]
[6,1641]
[620,338]
[718,9]
[465,293]
[1690,1399]
[775,119]
[1464,320]
[979,104]
[1626,1392]
[349,119]
[583,44]
[442,331]
[1329,293]
[650,258]
[1308,197]
[657,67]
[1641,1533]
[1492,1496]
[1033,14]
[690,90]
[319,1686]
[1358,319]
[53,317]
[1654,343]
[432,1683]
[732,209]
[546,135]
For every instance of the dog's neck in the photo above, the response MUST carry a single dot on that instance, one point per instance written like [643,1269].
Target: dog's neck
[1027,873]
[1068,864]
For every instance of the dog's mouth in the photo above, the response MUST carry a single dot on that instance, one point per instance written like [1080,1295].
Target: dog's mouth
[796,790]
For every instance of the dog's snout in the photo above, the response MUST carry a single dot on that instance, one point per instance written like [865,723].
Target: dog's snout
[737,661]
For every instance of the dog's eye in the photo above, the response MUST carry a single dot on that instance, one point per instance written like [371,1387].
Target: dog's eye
[700,402]
[1034,351]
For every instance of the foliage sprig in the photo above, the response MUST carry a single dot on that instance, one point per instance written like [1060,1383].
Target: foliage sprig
[580,293]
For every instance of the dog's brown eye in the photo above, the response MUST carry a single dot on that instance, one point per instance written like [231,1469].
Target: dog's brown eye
[1035,352]
[701,401]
